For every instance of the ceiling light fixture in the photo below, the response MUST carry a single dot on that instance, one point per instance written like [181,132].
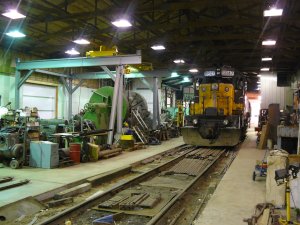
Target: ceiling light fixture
[81,41]
[15,34]
[266,59]
[158,47]
[122,23]
[265,69]
[179,61]
[273,12]
[72,52]
[13,14]
[194,70]
[259,75]
[186,79]
[174,74]
[269,42]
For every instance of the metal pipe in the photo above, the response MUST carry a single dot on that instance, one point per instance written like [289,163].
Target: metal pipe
[113,109]
[120,101]
[81,123]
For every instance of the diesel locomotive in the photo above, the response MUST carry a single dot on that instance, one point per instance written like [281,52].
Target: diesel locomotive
[220,113]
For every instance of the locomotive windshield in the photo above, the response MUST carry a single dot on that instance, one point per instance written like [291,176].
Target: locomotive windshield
[223,75]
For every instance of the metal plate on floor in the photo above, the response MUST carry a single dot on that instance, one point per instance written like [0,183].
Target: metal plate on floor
[172,181]
[160,197]
[23,207]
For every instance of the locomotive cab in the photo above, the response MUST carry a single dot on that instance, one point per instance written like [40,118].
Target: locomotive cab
[217,115]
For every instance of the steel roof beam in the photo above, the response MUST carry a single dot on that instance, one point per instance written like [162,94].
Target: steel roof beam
[143,74]
[80,62]
[52,73]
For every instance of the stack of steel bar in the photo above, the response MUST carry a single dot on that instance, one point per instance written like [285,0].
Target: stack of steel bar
[195,162]
[113,202]
[143,200]
[133,201]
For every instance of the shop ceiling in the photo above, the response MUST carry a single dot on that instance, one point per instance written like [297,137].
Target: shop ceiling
[205,33]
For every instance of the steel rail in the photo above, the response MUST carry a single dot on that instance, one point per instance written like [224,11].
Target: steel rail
[160,218]
[68,213]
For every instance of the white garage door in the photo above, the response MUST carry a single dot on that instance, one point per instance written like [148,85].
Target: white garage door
[40,96]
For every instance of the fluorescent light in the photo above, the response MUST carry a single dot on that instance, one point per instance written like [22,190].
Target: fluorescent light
[258,75]
[186,79]
[158,47]
[174,74]
[72,52]
[15,34]
[194,70]
[266,59]
[269,42]
[273,12]
[13,14]
[265,69]
[258,82]
[81,41]
[122,23]
[177,61]
[269,78]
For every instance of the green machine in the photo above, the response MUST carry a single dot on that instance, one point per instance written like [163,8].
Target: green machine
[98,108]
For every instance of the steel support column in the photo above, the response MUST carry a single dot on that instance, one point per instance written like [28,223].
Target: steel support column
[155,103]
[298,144]
[77,85]
[17,89]
[120,102]
[23,80]
[113,108]
[110,73]
[158,111]
[70,99]
[144,81]
[68,87]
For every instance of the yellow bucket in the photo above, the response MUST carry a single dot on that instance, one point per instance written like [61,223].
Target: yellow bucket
[94,152]
[127,137]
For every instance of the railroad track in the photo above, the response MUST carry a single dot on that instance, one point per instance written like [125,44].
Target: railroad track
[149,197]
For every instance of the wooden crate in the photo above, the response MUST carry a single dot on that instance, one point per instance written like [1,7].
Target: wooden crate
[264,136]
[293,158]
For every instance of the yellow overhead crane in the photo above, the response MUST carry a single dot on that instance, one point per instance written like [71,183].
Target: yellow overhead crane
[103,51]
[113,51]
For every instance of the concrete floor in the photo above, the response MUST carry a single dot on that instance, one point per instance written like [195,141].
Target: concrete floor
[233,200]
[236,195]
[43,180]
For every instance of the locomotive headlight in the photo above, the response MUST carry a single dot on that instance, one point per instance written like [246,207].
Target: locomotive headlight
[226,89]
[214,87]
[195,121]
[203,89]
[225,122]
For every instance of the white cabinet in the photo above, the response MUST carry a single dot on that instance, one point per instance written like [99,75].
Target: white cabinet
[43,154]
